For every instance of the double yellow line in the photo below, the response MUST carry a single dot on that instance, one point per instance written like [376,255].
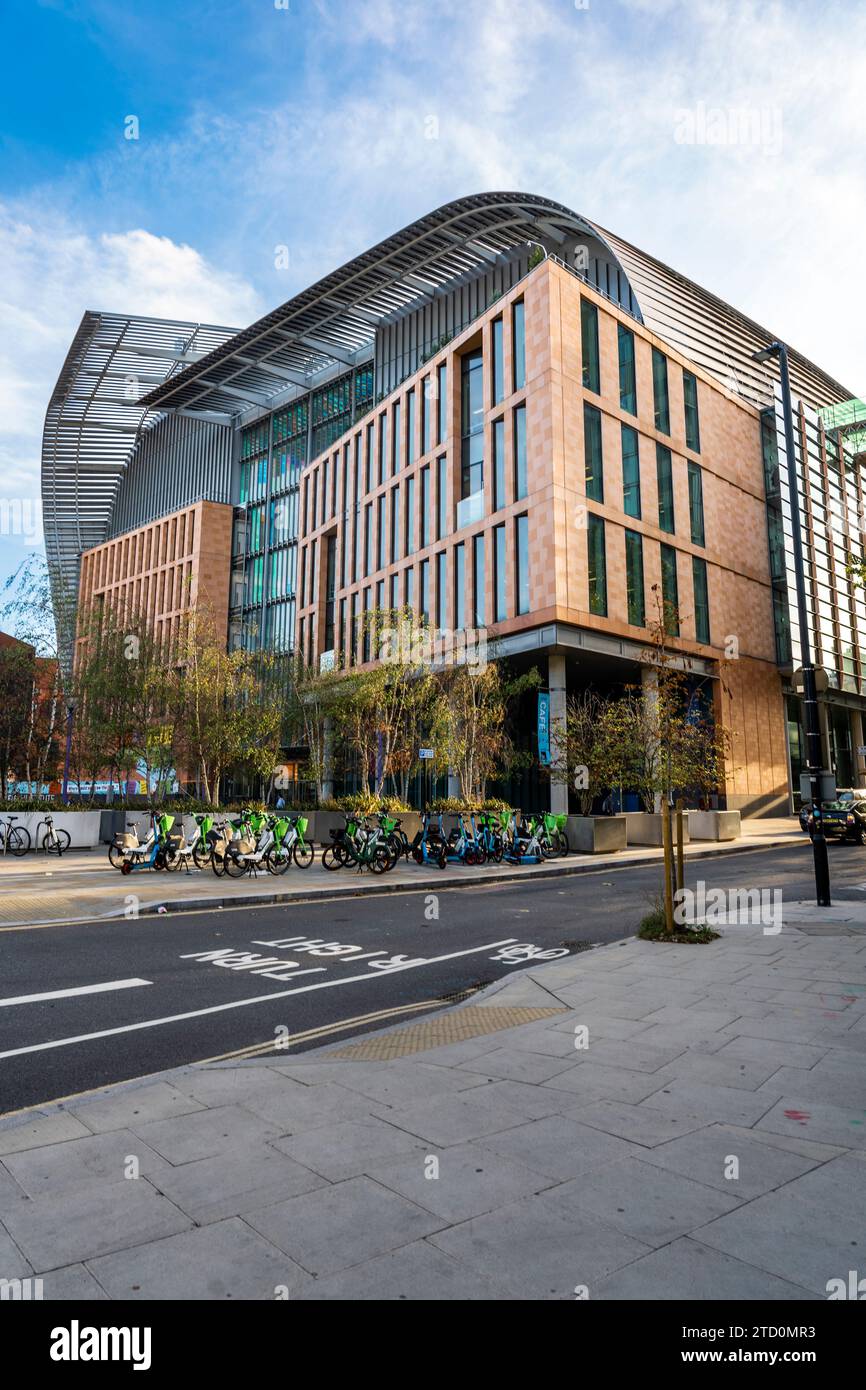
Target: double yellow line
[272,1045]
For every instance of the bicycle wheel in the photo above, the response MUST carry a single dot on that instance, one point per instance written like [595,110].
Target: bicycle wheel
[277,860]
[480,854]
[235,867]
[564,846]
[331,858]
[64,840]
[381,860]
[303,854]
[115,856]
[18,839]
[201,854]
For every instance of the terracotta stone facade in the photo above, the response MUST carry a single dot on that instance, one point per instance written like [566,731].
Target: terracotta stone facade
[163,569]
[740,655]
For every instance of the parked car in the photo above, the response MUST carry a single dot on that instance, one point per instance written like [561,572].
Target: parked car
[850,794]
[844,820]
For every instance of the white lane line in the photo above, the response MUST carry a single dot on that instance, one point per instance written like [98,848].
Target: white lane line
[259,999]
[68,993]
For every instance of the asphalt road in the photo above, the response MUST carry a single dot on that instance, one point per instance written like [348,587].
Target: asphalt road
[132,997]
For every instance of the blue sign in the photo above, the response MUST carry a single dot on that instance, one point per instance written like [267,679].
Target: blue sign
[544,727]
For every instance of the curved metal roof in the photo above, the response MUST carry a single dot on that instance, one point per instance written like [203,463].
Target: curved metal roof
[94,419]
[335,320]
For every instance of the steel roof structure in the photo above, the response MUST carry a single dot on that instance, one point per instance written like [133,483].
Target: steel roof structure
[94,420]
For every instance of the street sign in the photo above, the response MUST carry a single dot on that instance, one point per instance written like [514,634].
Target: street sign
[425,752]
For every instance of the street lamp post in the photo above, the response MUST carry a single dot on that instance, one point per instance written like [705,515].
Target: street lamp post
[70,715]
[814,758]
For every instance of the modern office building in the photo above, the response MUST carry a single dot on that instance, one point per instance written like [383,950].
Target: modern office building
[507,418]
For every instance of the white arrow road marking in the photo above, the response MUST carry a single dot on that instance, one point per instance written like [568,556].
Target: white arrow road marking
[68,993]
[259,999]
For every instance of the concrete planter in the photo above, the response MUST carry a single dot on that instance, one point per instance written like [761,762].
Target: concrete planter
[714,825]
[596,834]
[645,827]
[82,826]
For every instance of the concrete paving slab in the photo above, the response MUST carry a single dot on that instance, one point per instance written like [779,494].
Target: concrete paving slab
[30,1131]
[825,1124]
[211,1189]
[705,1156]
[349,1148]
[208,1133]
[79,1163]
[82,1224]
[559,1147]
[469,1180]
[639,1124]
[124,1107]
[456,1118]
[415,1272]
[74,1283]
[687,1270]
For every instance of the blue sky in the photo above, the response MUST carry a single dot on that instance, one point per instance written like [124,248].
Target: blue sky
[308,125]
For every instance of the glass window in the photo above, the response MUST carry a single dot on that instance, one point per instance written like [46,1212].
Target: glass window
[383,430]
[425,507]
[690,399]
[459,587]
[521,566]
[410,426]
[664,475]
[589,341]
[441,587]
[368,539]
[661,403]
[425,591]
[634,578]
[410,587]
[696,503]
[630,472]
[426,410]
[395,523]
[498,464]
[702,599]
[627,381]
[410,515]
[442,374]
[670,592]
[519,452]
[472,424]
[383,532]
[518,337]
[592,453]
[499,576]
[479,606]
[395,438]
[368,460]
[441,498]
[597,565]
[395,593]
[498,374]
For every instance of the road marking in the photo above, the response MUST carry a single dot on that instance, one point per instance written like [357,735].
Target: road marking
[68,993]
[243,1003]
[261,1049]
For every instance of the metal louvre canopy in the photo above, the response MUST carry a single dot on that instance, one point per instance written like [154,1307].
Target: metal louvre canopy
[334,321]
[94,420]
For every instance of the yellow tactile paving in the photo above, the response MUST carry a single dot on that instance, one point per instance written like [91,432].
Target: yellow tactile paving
[457,1026]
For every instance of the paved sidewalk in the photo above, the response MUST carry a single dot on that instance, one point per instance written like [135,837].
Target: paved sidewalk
[83,885]
[708,1143]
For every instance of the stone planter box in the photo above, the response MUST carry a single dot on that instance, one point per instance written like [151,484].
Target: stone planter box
[645,827]
[714,825]
[83,826]
[596,834]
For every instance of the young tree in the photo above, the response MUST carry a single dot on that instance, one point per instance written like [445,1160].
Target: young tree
[471,733]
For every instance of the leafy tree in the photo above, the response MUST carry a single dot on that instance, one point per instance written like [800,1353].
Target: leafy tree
[471,729]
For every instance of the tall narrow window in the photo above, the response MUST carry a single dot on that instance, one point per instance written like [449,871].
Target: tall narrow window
[409,599]
[479,616]
[592,453]
[425,507]
[395,523]
[498,373]
[520,483]
[442,378]
[521,563]
[459,587]
[383,532]
[597,565]
[441,587]
[661,404]
[368,461]
[627,382]
[518,344]
[670,592]
[425,591]
[589,341]
[498,464]
[696,504]
[634,578]
[395,438]
[368,539]
[410,515]
[383,429]
[690,401]
[441,498]
[395,591]
[702,599]
[472,425]
[664,476]
[500,573]
[630,472]
[426,409]
[410,426]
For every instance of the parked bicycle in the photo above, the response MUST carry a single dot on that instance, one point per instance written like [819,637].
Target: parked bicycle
[54,841]
[14,839]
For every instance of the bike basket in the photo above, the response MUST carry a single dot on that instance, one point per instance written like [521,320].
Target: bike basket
[388,824]
[129,840]
[206,825]
[561,822]
[246,846]
[165,824]
[550,822]
[302,826]
[504,818]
